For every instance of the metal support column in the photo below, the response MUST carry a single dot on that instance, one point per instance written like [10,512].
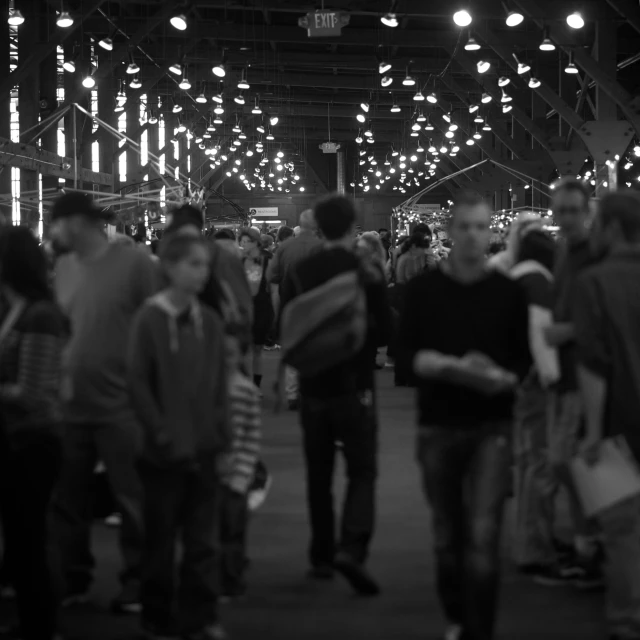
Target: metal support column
[28,103]
[341,177]
[5,118]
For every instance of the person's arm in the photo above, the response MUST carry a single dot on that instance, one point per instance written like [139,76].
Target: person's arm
[593,358]
[275,271]
[401,275]
[220,397]
[141,371]
[275,298]
[39,359]
[380,312]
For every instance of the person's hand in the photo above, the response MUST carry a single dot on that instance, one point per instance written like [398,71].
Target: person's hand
[558,334]
[589,449]
[478,360]
[429,364]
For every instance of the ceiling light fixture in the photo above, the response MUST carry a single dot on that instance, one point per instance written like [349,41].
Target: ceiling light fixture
[503,81]
[176,69]
[239,99]
[243,85]
[273,121]
[135,83]
[395,108]
[418,97]
[408,80]
[15,18]
[364,106]
[514,18]
[202,99]
[478,119]
[361,118]
[575,20]
[219,70]
[571,67]
[185,85]
[389,20]
[89,81]
[473,108]
[256,111]
[179,21]
[106,44]
[462,18]
[218,98]
[64,20]
[505,97]
[383,67]
[472,44]
[432,98]
[69,65]
[133,68]
[486,98]
[523,68]
[386,81]
[534,83]
[483,66]
[547,44]
[506,108]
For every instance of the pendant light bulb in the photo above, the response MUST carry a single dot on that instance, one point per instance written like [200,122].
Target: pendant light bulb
[383,67]
[472,44]
[462,18]
[64,20]
[15,17]
[106,44]
[386,81]
[179,21]
[389,20]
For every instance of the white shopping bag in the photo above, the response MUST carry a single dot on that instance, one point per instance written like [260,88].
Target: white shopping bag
[615,477]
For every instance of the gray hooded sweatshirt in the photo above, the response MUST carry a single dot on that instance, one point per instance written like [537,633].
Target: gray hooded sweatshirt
[177,381]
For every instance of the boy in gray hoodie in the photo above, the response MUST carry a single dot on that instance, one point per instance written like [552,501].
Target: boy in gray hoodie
[178,384]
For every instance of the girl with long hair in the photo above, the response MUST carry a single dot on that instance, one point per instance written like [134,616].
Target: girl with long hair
[33,332]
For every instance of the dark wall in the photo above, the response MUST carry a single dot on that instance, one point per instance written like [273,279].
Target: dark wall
[374,212]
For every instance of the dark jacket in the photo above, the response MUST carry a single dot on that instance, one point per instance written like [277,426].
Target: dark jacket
[177,381]
[607,325]
[356,374]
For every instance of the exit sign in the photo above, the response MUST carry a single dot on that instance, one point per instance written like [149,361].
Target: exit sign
[324,24]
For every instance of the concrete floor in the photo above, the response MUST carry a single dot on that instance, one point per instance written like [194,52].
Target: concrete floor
[283,605]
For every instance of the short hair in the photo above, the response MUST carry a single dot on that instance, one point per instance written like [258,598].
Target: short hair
[423,229]
[224,234]
[335,216]
[573,185]
[467,199]
[414,240]
[539,246]
[249,232]
[176,247]
[622,207]
[186,215]
[23,264]
[284,233]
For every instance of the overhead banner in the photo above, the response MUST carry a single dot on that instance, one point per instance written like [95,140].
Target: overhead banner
[264,212]
[425,208]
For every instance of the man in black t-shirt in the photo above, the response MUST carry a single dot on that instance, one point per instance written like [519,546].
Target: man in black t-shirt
[464,435]
[338,409]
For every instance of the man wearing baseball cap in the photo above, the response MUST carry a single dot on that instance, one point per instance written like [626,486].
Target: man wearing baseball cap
[99,285]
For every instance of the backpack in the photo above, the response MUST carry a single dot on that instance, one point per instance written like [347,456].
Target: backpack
[325,326]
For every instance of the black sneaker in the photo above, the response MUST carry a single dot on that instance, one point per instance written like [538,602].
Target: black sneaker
[128,600]
[357,576]
[321,572]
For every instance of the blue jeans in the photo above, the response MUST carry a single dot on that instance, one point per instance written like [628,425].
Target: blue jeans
[348,423]
[83,445]
[466,478]
[536,484]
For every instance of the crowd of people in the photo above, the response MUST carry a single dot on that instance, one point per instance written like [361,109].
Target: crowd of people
[152,367]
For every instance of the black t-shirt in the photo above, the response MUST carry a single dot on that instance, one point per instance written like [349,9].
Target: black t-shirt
[489,316]
[357,373]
